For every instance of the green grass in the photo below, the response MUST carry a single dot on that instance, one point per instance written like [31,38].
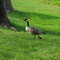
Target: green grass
[52,2]
[20,45]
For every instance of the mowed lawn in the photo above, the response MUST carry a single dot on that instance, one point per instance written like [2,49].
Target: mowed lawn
[20,45]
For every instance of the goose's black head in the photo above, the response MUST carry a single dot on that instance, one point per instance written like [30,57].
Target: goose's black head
[25,20]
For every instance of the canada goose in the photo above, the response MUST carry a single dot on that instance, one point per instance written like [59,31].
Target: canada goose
[33,30]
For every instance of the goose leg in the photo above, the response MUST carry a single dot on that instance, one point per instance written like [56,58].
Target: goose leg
[39,37]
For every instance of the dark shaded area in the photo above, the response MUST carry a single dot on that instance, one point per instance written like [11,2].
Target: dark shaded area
[18,27]
[51,32]
[23,15]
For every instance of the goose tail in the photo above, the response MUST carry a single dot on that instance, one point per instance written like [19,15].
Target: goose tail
[44,33]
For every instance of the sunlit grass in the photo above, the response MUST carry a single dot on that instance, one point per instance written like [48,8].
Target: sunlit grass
[20,45]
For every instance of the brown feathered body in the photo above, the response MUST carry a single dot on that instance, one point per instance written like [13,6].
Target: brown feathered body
[33,31]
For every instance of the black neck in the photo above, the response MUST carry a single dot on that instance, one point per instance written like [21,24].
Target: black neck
[27,23]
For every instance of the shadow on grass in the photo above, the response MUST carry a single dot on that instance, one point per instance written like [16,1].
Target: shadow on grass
[23,15]
[53,32]
[50,32]
[18,27]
